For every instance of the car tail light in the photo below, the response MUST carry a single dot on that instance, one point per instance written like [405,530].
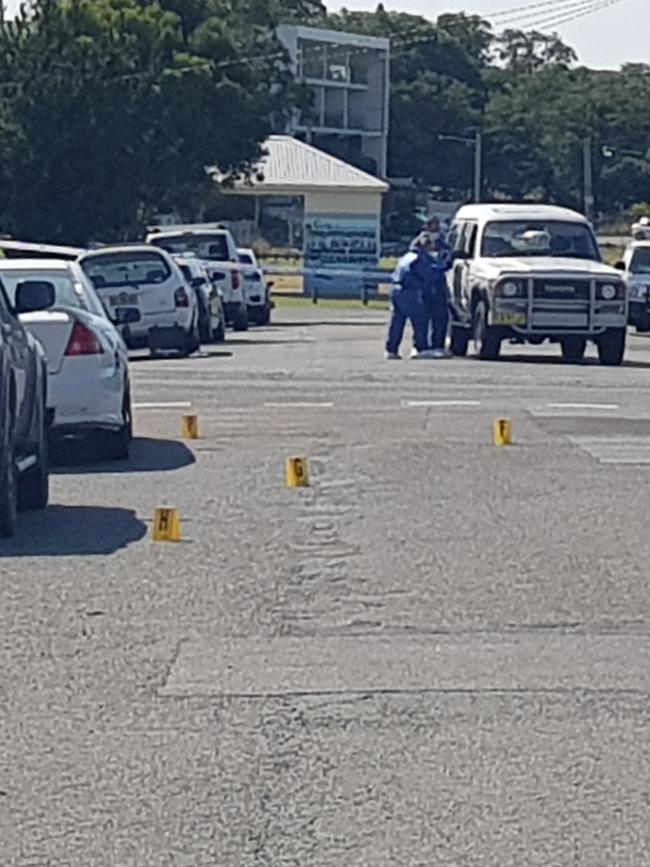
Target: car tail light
[181,298]
[235,280]
[83,341]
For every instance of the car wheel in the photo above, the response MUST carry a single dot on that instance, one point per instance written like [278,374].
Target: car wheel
[487,342]
[611,347]
[459,342]
[219,333]
[205,329]
[34,485]
[192,342]
[241,320]
[116,445]
[8,480]
[264,315]
[573,348]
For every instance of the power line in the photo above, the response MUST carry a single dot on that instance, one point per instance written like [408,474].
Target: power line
[583,11]
[551,11]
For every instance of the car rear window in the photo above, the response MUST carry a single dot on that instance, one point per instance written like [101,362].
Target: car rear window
[67,291]
[213,247]
[245,258]
[126,269]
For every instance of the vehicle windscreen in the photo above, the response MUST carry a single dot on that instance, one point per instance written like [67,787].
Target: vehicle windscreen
[245,258]
[539,238]
[126,269]
[68,292]
[211,247]
[640,263]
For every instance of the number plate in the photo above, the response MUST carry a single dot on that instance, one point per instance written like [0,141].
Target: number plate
[123,298]
[509,319]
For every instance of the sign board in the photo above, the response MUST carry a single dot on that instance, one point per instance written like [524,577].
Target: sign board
[338,243]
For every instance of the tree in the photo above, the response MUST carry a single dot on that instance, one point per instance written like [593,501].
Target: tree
[114,108]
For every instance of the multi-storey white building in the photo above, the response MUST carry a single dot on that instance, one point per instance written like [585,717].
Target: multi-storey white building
[349,77]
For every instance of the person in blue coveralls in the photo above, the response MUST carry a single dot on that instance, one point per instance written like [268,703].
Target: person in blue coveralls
[413,281]
[437,300]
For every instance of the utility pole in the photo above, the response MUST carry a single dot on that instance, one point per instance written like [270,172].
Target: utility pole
[477,143]
[588,178]
[478,167]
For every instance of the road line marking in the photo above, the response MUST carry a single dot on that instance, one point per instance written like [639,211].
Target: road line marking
[608,406]
[298,404]
[413,404]
[181,404]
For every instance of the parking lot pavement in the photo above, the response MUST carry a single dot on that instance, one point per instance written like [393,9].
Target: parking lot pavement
[436,654]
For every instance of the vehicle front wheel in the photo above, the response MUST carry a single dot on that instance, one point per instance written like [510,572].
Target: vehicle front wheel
[611,347]
[8,481]
[486,340]
[192,341]
[573,348]
[264,315]
[34,485]
[459,342]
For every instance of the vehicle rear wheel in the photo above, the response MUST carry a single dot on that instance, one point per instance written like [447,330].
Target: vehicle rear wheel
[116,445]
[192,340]
[219,333]
[34,485]
[487,341]
[459,342]
[240,322]
[573,348]
[611,347]
[8,479]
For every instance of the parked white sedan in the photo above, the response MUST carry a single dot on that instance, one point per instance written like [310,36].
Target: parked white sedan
[87,362]
[256,290]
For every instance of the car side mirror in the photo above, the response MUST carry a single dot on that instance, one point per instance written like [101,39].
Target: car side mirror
[460,255]
[620,266]
[34,295]
[197,282]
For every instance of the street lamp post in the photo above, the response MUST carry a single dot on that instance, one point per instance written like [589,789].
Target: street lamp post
[477,143]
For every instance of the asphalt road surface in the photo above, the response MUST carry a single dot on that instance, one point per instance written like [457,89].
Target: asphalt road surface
[438,654]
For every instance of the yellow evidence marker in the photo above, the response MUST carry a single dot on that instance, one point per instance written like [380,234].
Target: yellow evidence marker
[166,526]
[190,427]
[503,432]
[297,472]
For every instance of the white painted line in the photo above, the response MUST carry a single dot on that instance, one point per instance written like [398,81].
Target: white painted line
[299,404]
[425,403]
[181,404]
[607,406]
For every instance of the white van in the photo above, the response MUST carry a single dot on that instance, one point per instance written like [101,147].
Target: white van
[146,296]
[215,246]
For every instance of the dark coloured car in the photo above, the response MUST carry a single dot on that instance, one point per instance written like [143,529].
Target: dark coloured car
[24,473]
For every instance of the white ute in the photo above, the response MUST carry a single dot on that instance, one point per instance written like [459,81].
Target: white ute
[529,273]
[215,246]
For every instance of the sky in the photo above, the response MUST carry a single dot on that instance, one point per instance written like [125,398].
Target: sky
[604,39]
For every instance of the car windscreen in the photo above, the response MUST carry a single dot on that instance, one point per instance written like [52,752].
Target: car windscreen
[245,258]
[212,247]
[68,292]
[640,263]
[539,238]
[126,269]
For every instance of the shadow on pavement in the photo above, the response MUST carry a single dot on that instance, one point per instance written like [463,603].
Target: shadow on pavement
[76,457]
[221,353]
[63,531]
[551,360]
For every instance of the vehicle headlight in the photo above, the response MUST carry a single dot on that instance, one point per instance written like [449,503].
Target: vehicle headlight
[509,289]
[608,292]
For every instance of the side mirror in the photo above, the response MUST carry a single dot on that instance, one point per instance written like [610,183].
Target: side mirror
[34,295]
[620,266]
[197,282]
[270,285]
[460,256]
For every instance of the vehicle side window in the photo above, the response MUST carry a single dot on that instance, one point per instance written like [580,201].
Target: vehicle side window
[455,234]
[468,240]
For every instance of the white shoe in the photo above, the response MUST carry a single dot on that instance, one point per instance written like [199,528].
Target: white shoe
[422,355]
[392,356]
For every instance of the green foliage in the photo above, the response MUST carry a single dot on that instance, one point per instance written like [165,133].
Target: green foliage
[112,109]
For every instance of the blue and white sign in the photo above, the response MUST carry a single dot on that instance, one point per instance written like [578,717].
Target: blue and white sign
[335,244]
